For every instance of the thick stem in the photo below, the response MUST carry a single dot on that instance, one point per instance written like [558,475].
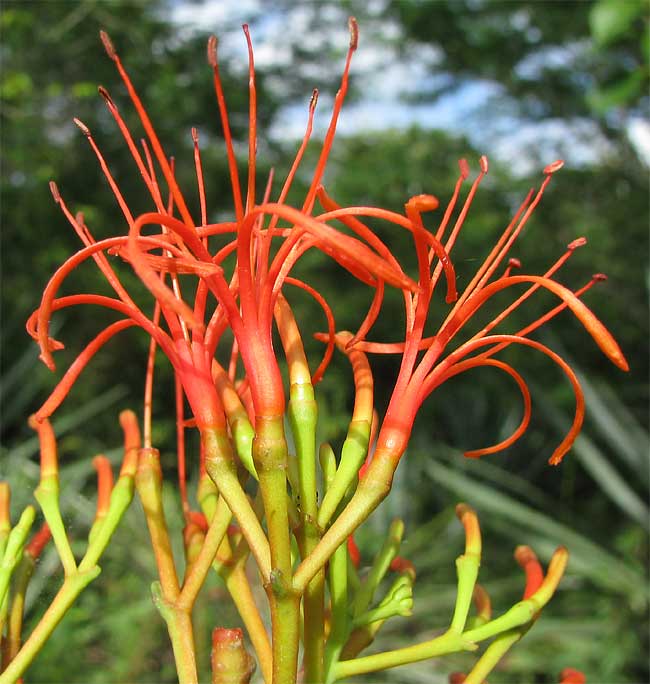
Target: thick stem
[181,634]
[72,586]
[270,457]
[303,414]
[372,490]
[221,467]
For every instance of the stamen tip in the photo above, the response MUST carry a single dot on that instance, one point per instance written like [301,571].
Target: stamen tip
[195,136]
[104,93]
[212,51]
[513,262]
[464,168]
[354,33]
[483,161]
[82,126]
[600,277]
[578,242]
[54,189]
[314,99]
[108,44]
[555,166]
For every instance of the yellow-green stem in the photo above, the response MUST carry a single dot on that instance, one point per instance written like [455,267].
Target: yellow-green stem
[270,457]
[73,585]
[372,490]
[221,467]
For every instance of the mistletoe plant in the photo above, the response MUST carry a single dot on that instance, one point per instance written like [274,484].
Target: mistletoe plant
[270,515]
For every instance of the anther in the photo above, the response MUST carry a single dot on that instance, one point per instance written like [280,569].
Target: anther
[108,45]
[354,33]
[555,166]
[82,126]
[55,192]
[513,262]
[314,99]
[212,51]
[599,277]
[195,136]
[578,242]
[483,161]
[464,168]
[104,93]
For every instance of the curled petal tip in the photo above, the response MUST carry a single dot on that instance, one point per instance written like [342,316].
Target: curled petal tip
[354,33]
[212,51]
[464,168]
[483,161]
[423,203]
[578,242]
[555,166]
[108,44]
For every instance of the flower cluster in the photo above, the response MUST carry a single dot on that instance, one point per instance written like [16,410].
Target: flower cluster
[240,270]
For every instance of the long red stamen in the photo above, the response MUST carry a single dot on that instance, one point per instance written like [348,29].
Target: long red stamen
[148,383]
[147,176]
[180,442]
[476,362]
[67,381]
[104,167]
[431,381]
[252,123]
[223,113]
[148,127]
[331,326]
[199,176]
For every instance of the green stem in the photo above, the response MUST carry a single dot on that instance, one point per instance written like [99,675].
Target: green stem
[447,643]
[11,644]
[47,495]
[492,655]
[201,566]
[467,567]
[14,549]
[181,634]
[148,481]
[270,457]
[340,628]
[72,586]
[353,453]
[372,490]
[221,467]
[303,415]
[380,566]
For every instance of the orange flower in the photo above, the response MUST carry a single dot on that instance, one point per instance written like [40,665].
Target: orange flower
[427,362]
[186,331]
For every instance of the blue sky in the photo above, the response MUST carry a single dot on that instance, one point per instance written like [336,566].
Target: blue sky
[385,102]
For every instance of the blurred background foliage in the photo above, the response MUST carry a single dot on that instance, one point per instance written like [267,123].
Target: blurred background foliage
[521,81]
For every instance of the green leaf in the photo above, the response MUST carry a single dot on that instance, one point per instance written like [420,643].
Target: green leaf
[610,19]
